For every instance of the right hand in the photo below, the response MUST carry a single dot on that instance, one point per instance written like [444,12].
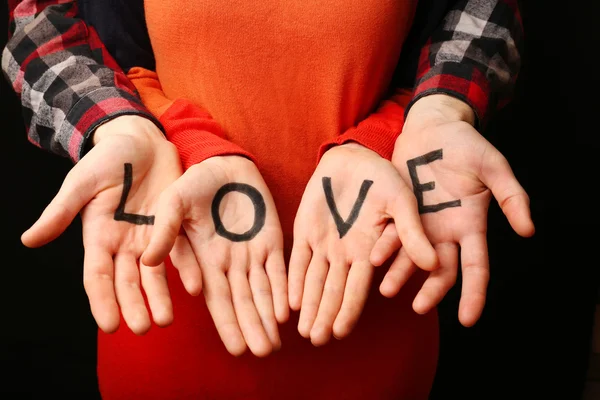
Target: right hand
[113,241]
[229,216]
[330,274]
[458,189]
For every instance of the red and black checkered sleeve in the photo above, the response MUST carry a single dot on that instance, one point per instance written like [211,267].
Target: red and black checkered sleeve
[67,82]
[474,56]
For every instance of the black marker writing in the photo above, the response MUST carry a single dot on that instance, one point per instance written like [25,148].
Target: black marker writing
[260,211]
[419,187]
[120,214]
[344,226]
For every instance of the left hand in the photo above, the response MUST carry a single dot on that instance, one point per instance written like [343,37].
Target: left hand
[347,203]
[455,171]
[115,187]
[229,216]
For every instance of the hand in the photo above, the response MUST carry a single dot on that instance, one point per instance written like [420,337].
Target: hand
[454,171]
[116,187]
[230,218]
[350,198]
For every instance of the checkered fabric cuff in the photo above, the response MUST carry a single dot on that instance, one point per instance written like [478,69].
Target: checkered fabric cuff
[92,110]
[462,81]
[475,56]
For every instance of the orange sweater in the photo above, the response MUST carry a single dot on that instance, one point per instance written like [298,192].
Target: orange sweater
[278,82]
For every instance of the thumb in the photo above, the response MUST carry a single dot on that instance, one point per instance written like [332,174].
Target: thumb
[385,246]
[167,224]
[405,213]
[76,191]
[512,198]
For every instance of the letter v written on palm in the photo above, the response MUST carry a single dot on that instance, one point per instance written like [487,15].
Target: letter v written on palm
[343,226]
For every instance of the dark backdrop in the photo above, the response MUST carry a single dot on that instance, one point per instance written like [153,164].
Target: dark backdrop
[533,339]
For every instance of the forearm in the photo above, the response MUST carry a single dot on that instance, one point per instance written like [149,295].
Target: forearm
[67,83]
[474,56]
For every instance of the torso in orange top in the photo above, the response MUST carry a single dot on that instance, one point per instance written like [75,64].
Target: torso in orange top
[281,78]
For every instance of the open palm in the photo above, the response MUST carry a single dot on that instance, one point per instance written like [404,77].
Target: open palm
[346,206]
[116,186]
[229,215]
[454,173]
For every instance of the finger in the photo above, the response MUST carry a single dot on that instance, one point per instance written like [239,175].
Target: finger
[167,225]
[410,230]
[299,261]
[184,260]
[154,282]
[439,281]
[247,315]
[311,298]
[400,271]
[512,198]
[76,191]
[98,281]
[331,302]
[263,299]
[129,294]
[355,297]
[218,300]
[475,278]
[387,244]
[275,267]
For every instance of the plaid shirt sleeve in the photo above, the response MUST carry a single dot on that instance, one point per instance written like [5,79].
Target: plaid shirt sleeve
[474,56]
[67,82]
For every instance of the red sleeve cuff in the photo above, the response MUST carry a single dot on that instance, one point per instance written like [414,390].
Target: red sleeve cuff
[196,136]
[379,131]
[463,81]
[374,137]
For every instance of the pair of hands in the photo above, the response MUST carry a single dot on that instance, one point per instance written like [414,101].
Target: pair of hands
[442,170]
[138,207]
[244,279]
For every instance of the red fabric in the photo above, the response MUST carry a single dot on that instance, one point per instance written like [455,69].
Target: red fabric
[391,355]
[196,136]
[380,130]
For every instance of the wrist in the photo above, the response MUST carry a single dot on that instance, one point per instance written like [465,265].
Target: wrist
[132,125]
[229,162]
[439,108]
[232,168]
[350,147]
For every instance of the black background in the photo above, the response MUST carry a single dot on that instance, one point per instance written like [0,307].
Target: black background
[533,339]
